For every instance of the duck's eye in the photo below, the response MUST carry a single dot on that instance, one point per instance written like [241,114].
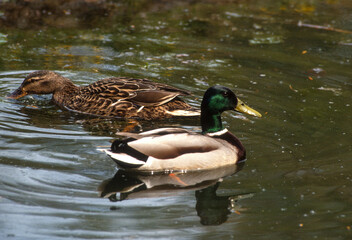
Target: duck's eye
[225,94]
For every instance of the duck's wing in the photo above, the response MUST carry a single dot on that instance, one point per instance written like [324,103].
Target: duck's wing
[142,92]
[149,84]
[154,133]
[129,98]
[173,145]
[153,97]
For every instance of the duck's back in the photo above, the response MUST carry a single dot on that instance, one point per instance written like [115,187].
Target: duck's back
[127,98]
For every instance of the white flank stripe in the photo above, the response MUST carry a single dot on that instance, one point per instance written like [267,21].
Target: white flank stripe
[124,158]
[183,113]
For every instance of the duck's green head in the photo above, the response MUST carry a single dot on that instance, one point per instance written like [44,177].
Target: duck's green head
[216,100]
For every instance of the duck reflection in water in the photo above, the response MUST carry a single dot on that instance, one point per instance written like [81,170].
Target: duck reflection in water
[211,208]
[49,116]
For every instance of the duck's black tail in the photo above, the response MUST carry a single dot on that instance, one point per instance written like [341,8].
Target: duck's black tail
[121,146]
[126,156]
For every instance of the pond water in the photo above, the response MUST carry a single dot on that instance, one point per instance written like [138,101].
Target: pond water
[296,182]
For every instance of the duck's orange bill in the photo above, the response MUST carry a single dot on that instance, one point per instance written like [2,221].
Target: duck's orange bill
[18,93]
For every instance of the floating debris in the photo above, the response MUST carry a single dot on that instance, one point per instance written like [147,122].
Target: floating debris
[327,28]
[336,91]
[316,72]
[290,86]
[3,38]
[266,40]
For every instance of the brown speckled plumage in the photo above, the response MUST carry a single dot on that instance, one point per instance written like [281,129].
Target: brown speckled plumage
[117,97]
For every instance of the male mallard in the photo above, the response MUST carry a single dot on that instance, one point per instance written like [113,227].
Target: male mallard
[177,149]
[111,97]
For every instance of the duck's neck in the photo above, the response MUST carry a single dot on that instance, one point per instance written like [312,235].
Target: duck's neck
[68,84]
[64,90]
[211,122]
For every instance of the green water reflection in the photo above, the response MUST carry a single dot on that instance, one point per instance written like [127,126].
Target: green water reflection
[299,153]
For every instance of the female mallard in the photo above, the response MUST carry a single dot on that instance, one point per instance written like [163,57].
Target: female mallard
[111,97]
[176,149]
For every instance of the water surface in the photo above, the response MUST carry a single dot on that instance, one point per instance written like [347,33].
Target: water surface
[296,181]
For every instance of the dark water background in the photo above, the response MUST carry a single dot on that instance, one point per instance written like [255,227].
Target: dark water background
[296,183]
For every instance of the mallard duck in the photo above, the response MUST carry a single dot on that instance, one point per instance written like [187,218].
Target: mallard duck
[111,97]
[177,149]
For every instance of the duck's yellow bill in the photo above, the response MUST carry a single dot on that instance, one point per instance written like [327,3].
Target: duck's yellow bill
[243,108]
